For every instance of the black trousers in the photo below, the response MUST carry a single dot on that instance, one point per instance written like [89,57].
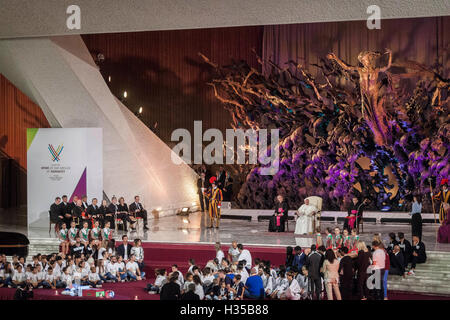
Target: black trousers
[142,214]
[110,219]
[396,271]
[416,225]
[379,293]
[346,290]
[316,288]
[415,260]
[362,290]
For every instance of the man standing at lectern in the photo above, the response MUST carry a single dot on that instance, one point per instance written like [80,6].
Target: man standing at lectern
[138,208]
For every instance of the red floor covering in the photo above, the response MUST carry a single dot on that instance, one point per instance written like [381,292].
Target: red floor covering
[163,255]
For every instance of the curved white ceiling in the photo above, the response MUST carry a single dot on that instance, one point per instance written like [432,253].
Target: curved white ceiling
[25,18]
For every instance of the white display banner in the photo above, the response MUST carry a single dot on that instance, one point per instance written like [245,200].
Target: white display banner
[62,161]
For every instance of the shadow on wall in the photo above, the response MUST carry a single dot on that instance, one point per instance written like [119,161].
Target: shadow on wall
[13,182]
[162,90]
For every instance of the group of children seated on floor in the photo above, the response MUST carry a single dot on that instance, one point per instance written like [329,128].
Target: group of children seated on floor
[87,263]
[228,278]
[233,278]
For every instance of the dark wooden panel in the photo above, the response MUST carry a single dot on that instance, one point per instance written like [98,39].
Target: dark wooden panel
[163,73]
[17,113]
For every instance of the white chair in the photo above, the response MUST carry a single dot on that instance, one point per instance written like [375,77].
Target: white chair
[317,202]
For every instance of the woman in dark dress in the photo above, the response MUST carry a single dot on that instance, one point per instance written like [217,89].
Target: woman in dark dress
[124,214]
[416,216]
[280,216]
[361,265]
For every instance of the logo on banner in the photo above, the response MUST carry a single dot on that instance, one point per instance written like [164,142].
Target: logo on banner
[55,153]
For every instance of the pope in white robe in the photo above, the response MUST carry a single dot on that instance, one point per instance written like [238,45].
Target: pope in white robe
[305,217]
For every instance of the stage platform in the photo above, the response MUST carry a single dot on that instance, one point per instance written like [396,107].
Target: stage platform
[169,236]
[192,229]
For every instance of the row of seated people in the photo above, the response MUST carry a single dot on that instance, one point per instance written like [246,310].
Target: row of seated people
[80,211]
[83,267]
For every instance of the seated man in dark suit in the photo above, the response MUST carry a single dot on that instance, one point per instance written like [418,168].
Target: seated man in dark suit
[84,202]
[93,211]
[137,208]
[124,249]
[63,210]
[112,210]
[397,262]
[55,212]
[405,247]
[77,211]
[419,254]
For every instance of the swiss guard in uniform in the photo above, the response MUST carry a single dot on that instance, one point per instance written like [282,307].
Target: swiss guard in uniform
[214,195]
[444,197]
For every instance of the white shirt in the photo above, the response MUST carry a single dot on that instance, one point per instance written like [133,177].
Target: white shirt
[19,276]
[199,290]
[67,278]
[138,253]
[220,256]
[244,275]
[159,280]
[100,253]
[132,266]
[180,278]
[245,255]
[379,258]
[120,266]
[234,253]
[33,277]
[111,268]
[50,277]
[93,276]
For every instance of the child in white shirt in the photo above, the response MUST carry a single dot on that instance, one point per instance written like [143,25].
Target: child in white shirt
[94,279]
[50,280]
[161,279]
[133,269]
[19,278]
[66,278]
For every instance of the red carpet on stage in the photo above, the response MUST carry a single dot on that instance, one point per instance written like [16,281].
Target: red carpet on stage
[163,255]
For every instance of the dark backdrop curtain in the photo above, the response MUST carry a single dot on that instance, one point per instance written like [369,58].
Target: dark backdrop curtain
[418,39]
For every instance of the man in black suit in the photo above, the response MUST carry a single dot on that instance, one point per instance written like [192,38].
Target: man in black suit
[139,210]
[171,290]
[63,210]
[77,211]
[315,260]
[190,294]
[405,247]
[93,212]
[112,210]
[84,202]
[397,263]
[55,211]
[124,249]
[202,186]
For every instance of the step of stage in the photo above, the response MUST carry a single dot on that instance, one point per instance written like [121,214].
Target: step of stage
[431,277]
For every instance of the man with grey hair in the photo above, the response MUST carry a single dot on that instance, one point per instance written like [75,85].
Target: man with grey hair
[233,253]
[190,294]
